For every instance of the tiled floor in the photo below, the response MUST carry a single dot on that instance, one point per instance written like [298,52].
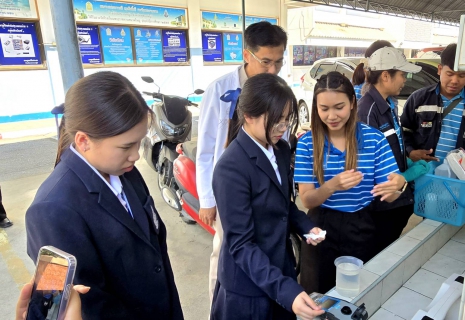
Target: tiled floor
[421,288]
[406,276]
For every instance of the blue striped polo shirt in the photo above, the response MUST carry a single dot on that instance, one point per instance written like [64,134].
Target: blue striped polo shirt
[375,160]
[358,91]
[450,126]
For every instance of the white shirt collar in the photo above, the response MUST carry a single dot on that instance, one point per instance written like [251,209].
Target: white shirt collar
[115,184]
[268,152]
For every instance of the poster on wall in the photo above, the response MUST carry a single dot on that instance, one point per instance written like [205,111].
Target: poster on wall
[298,55]
[131,13]
[116,44]
[89,44]
[149,48]
[229,21]
[212,46]
[232,43]
[19,44]
[321,52]
[309,55]
[174,46]
[332,52]
[17,9]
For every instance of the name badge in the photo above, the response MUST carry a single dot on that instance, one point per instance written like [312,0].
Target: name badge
[426,124]
[389,132]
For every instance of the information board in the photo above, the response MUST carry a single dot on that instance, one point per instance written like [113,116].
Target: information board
[89,44]
[174,46]
[130,13]
[232,43]
[18,9]
[229,21]
[212,46]
[117,45]
[149,48]
[19,44]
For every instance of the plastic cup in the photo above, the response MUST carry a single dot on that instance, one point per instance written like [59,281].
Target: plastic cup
[348,275]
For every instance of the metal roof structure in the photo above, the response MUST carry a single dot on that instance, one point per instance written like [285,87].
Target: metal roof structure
[439,11]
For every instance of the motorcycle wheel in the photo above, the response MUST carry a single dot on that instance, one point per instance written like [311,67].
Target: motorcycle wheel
[296,243]
[165,174]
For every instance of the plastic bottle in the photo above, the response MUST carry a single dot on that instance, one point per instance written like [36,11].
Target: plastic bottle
[444,170]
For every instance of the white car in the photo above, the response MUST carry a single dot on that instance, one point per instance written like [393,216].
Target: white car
[304,94]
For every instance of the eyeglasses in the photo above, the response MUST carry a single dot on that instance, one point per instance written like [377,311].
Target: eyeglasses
[282,126]
[268,63]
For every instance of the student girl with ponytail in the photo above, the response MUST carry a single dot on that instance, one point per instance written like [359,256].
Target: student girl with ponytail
[96,206]
[252,184]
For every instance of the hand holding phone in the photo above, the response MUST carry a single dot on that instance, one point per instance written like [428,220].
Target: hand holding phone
[52,285]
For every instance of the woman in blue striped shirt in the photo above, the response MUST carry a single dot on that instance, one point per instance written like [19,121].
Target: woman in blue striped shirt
[341,165]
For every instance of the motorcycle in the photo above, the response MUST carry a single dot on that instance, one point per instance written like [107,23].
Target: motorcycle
[171,125]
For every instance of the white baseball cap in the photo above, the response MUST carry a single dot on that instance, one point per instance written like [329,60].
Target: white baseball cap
[388,58]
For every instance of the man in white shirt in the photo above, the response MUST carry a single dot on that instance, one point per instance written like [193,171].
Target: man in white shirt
[264,53]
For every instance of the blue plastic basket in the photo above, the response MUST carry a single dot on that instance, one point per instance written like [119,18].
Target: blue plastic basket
[441,199]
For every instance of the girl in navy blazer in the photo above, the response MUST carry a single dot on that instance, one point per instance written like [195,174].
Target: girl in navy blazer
[96,206]
[252,185]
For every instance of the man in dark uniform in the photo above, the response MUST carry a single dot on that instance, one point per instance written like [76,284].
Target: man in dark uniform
[4,221]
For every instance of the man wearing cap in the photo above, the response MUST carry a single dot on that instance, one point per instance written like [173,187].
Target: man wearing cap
[433,116]
[386,76]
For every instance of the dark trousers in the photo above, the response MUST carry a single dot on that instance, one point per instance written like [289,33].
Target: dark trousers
[227,305]
[389,225]
[348,234]
[2,208]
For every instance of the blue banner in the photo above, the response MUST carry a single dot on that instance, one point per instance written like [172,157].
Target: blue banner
[228,21]
[149,48]
[89,44]
[174,46]
[232,47]
[250,20]
[129,13]
[212,47]
[19,44]
[117,45]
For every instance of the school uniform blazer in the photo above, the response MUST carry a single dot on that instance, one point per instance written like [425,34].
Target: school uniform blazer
[257,214]
[123,260]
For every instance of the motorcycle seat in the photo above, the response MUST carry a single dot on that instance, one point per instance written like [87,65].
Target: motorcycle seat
[190,149]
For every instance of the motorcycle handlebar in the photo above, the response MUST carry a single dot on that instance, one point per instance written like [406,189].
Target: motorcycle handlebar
[193,104]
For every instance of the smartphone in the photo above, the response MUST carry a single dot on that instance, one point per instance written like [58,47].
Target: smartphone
[53,281]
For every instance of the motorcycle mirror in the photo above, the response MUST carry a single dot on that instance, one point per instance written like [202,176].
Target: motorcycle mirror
[199,91]
[147,79]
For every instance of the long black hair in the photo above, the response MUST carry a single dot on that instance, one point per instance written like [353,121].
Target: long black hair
[266,94]
[102,105]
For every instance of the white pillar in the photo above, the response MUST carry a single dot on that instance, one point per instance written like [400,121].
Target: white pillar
[195,42]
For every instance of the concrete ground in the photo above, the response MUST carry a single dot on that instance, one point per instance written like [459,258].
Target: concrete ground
[27,153]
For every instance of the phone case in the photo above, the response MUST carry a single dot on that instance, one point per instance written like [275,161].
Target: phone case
[68,280]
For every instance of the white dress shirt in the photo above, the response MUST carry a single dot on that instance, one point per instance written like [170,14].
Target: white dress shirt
[269,154]
[115,184]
